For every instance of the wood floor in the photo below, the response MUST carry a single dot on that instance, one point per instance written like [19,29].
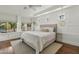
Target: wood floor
[65,49]
[68,49]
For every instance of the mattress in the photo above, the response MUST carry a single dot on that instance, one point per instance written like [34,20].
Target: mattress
[38,40]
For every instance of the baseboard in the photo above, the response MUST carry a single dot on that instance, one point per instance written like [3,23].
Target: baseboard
[68,44]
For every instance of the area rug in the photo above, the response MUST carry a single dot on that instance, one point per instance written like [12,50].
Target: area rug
[21,48]
[52,49]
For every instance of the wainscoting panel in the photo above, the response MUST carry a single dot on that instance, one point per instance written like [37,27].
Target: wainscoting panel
[70,38]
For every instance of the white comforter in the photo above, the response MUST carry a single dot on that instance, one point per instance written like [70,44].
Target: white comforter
[37,40]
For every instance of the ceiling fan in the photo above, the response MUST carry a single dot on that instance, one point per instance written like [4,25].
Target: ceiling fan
[32,7]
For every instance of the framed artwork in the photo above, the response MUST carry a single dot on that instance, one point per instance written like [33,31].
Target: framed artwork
[61,17]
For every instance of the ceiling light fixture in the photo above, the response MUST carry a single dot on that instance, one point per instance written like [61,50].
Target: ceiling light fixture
[32,6]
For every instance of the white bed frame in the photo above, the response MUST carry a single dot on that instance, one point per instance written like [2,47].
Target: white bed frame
[50,26]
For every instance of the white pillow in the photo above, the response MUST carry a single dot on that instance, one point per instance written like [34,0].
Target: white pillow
[48,29]
[51,29]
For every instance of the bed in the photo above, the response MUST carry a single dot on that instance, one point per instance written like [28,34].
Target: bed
[38,40]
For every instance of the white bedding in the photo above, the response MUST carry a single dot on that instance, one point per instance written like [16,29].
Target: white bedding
[37,40]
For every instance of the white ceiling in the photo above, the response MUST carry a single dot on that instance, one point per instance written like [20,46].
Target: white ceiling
[49,9]
[27,11]
[19,9]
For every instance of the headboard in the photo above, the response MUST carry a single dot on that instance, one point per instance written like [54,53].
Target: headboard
[49,26]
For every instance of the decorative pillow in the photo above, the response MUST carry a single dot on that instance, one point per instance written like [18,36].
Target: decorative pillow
[51,29]
[45,30]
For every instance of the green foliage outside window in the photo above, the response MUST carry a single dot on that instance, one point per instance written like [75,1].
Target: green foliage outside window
[7,25]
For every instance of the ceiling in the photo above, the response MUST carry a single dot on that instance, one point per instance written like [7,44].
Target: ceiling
[22,10]
[26,10]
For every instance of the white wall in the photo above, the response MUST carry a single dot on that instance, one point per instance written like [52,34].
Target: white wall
[69,33]
[12,18]
[7,17]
